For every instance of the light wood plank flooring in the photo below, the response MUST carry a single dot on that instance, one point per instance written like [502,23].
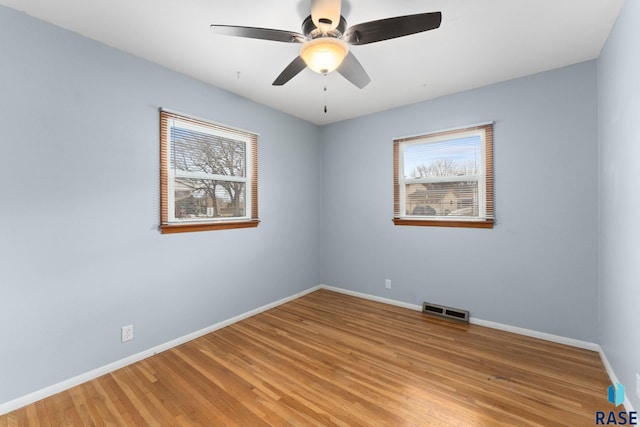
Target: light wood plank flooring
[333,359]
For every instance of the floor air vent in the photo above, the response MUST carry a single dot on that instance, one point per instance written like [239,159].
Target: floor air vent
[445,312]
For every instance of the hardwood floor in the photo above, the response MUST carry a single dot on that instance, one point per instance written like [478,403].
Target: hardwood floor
[333,359]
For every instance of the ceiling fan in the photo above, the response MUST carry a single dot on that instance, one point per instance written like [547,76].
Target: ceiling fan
[325,38]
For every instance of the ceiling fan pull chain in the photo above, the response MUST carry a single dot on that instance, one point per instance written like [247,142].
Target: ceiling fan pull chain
[325,96]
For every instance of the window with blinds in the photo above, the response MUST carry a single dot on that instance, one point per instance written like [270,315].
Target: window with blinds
[208,175]
[445,178]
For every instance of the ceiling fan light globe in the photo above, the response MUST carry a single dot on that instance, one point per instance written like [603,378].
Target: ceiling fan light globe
[324,54]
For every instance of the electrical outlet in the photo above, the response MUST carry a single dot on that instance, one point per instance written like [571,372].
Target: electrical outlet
[127,333]
[387,283]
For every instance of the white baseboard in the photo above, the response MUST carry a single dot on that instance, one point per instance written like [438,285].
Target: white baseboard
[72,382]
[475,321]
[373,298]
[614,378]
[508,328]
[30,398]
[536,334]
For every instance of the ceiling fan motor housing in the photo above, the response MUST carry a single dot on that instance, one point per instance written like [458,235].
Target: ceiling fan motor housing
[326,14]
[310,29]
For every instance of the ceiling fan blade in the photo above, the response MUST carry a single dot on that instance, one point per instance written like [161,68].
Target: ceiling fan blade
[352,70]
[391,28]
[258,33]
[290,72]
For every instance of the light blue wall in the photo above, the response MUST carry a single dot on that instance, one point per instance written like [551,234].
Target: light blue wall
[619,121]
[537,268]
[80,254]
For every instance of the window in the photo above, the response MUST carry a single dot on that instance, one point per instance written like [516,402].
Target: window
[208,175]
[445,179]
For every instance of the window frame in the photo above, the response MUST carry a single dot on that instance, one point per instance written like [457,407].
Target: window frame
[168,222]
[484,178]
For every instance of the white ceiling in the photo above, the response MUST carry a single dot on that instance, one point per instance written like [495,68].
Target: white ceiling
[480,42]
